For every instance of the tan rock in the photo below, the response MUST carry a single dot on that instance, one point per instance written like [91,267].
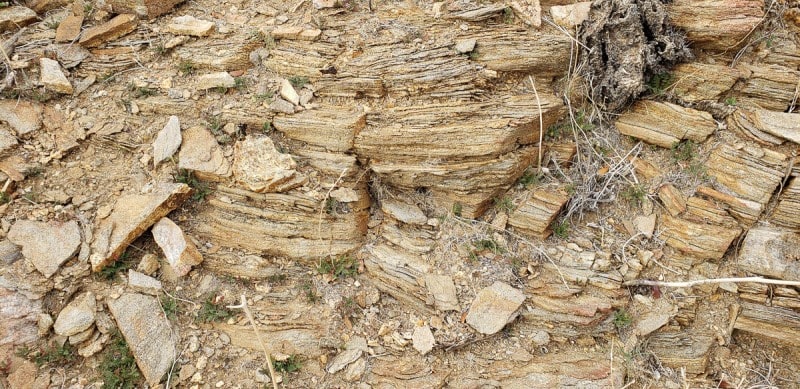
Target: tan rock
[18,317]
[189,25]
[70,28]
[329,126]
[143,283]
[286,32]
[766,125]
[289,93]
[24,117]
[77,316]
[168,141]
[261,168]
[147,9]
[109,31]
[771,252]
[665,124]
[15,16]
[310,35]
[422,339]
[494,307]
[534,216]
[403,212]
[178,249]
[530,11]
[320,4]
[201,154]
[23,376]
[132,215]
[787,213]
[645,225]
[716,24]
[698,81]
[46,245]
[570,15]
[443,290]
[52,77]
[42,6]
[215,80]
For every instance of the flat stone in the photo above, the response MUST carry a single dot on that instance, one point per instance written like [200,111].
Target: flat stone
[443,290]
[18,317]
[645,225]
[132,215]
[179,250]
[320,4]
[70,28]
[52,77]
[422,339]
[147,332]
[201,154]
[23,116]
[404,212]
[168,141]
[44,324]
[77,316]
[344,195]
[109,31]
[143,283]
[570,15]
[15,17]
[281,106]
[216,80]
[46,245]
[147,9]
[650,322]
[289,93]
[82,336]
[261,168]
[286,32]
[494,307]
[149,264]
[353,350]
[310,34]
[465,46]
[7,141]
[42,6]
[23,376]
[189,25]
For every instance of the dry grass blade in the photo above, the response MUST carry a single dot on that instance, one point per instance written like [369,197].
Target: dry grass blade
[686,284]
[243,306]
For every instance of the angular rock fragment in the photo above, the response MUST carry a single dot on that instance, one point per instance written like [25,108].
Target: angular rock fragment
[535,215]
[46,245]
[216,80]
[15,16]
[665,124]
[143,283]
[189,25]
[201,154]
[443,290]
[168,141]
[775,323]
[465,46]
[77,316]
[570,15]
[289,93]
[132,215]
[399,274]
[24,117]
[18,317]
[695,81]
[52,77]
[530,11]
[118,26]
[682,350]
[422,339]
[771,252]
[70,28]
[147,331]
[42,6]
[295,32]
[494,307]
[261,168]
[147,9]
[770,87]
[719,25]
[353,350]
[767,126]
[674,201]
[403,212]
[705,232]
[179,250]
[231,53]
[751,173]
[24,376]
[9,252]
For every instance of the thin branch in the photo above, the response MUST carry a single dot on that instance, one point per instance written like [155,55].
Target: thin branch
[243,307]
[686,284]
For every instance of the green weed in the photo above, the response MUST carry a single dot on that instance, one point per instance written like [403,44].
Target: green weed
[508,15]
[684,151]
[659,83]
[339,267]
[186,67]
[488,244]
[298,81]
[457,209]
[310,292]
[121,265]
[53,355]
[503,204]
[4,198]
[622,318]
[529,178]
[561,229]
[211,311]
[289,365]
[118,367]
[199,189]
[730,101]
[240,83]
[635,193]
[170,306]
[266,127]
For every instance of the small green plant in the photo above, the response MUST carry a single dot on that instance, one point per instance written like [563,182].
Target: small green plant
[264,96]
[457,209]
[288,365]
[199,189]
[635,193]
[474,55]
[118,367]
[266,127]
[684,151]
[583,122]
[339,267]
[277,278]
[212,311]
[52,24]
[310,292]
[503,204]
[622,318]
[240,83]
[659,83]
[571,188]
[186,67]
[158,48]
[214,124]
[730,101]
[561,229]
[298,81]
[529,178]
[140,91]
[170,306]
[508,15]
[54,355]
[121,265]
[88,8]
[331,205]
[488,244]
[4,198]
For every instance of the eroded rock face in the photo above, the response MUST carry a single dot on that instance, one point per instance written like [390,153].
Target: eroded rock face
[147,9]
[494,307]
[46,245]
[18,317]
[261,168]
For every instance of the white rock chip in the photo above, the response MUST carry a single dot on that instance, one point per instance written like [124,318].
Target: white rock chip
[168,141]
[143,283]
[77,316]
[422,339]
[494,307]
[201,154]
[353,350]
[52,77]
[289,93]
[46,245]
[189,25]
[216,80]
[443,290]
[465,46]
[570,15]
[179,250]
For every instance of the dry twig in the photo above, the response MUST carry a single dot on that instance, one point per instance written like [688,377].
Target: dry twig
[686,284]
[243,306]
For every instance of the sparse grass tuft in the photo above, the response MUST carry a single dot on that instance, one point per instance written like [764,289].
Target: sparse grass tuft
[121,265]
[4,198]
[277,278]
[199,189]
[488,244]
[659,83]
[508,15]
[266,127]
[118,367]
[211,311]
[186,67]
[52,355]
[622,318]
[339,267]
[731,101]
[529,178]
[240,83]
[684,151]
[561,229]
[310,292]
[264,96]
[635,193]
[298,81]
[137,92]
[503,204]
[170,306]
[457,208]
[289,365]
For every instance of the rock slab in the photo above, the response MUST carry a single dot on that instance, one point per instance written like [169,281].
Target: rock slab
[46,245]
[147,9]
[189,25]
[201,154]
[168,141]
[13,17]
[108,31]
[132,215]
[422,339]
[494,307]
[261,168]
[24,117]
[77,316]
[18,317]
[216,80]
[406,213]
[147,332]
[52,77]
[179,250]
